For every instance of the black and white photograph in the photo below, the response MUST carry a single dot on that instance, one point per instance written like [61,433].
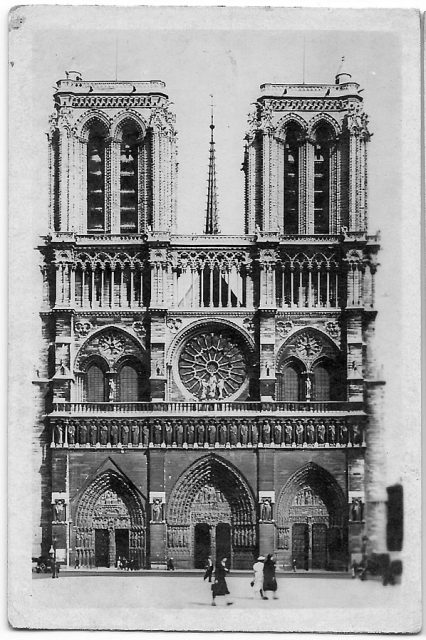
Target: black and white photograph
[215,319]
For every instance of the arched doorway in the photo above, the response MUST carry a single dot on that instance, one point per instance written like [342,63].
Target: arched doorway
[312,521]
[211,511]
[109,524]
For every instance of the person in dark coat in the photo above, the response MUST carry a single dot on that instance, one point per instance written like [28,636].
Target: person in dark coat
[219,586]
[208,569]
[269,580]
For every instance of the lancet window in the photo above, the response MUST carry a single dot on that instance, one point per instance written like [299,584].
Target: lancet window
[290,383]
[291,179]
[322,143]
[96,179]
[129,384]
[129,153]
[96,387]
[321,383]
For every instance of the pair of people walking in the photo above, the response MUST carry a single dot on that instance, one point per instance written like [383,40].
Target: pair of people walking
[264,577]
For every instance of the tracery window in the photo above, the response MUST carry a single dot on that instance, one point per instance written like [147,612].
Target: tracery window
[96,180]
[95,384]
[129,180]
[323,138]
[291,180]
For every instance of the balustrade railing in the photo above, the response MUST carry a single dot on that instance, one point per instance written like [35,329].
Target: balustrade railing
[95,408]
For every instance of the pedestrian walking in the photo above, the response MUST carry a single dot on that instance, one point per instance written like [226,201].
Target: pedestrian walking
[257,582]
[55,567]
[208,569]
[170,564]
[219,586]
[269,579]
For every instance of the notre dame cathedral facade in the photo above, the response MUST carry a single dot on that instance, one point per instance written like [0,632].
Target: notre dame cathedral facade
[208,394]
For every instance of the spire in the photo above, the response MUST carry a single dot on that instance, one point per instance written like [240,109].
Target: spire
[212,225]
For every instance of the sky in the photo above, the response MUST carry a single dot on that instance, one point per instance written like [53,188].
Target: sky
[230,55]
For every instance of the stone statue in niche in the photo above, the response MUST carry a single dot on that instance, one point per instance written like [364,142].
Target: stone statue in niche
[190,433]
[299,432]
[58,433]
[157,510]
[71,432]
[159,368]
[211,387]
[233,434]
[244,433]
[266,432]
[266,510]
[59,510]
[254,434]
[103,433]
[82,433]
[212,433]
[288,432]
[332,433]
[134,427]
[168,432]
[111,389]
[93,434]
[204,389]
[125,433]
[220,388]
[200,433]
[308,387]
[343,433]
[179,434]
[357,435]
[356,510]
[278,433]
[321,433]
[145,434]
[310,432]
[223,434]
[158,436]
[114,433]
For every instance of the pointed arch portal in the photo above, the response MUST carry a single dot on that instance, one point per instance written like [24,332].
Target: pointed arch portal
[211,512]
[109,523]
[312,521]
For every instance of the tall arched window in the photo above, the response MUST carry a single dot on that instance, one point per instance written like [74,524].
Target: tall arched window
[129,180]
[129,387]
[95,384]
[321,390]
[96,180]
[291,387]
[323,137]
[291,180]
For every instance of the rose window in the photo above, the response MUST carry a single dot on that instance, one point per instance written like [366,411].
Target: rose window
[212,366]
[307,346]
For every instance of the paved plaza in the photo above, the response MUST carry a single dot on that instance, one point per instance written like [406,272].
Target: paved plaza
[153,601]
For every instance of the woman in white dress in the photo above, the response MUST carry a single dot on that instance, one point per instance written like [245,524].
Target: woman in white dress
[258,578]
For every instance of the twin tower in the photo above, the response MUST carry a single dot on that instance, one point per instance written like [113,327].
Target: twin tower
[208,394]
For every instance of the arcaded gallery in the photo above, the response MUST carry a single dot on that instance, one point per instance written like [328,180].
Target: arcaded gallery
[208,394]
